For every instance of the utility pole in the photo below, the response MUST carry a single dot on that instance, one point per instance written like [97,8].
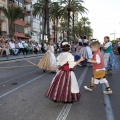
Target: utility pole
[114,35]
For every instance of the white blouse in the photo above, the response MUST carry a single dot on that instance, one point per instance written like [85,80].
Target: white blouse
[51,49]
[108,44]
[65,57]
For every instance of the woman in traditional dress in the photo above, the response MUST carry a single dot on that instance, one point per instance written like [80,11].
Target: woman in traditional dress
[64,87]
[109,57]
[48,62]
[77,57]
[85,51]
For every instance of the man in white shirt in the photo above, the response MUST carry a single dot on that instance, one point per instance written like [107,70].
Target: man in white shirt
[21,47]
[12,47]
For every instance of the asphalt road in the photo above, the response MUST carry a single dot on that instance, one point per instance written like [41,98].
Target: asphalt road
[22,95]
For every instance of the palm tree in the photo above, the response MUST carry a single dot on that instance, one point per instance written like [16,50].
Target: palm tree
[63,27]
[77,8]
[41,7]
[85,21]
[67,9]
[12,13]
[56,13]
[74,6]
[80,28]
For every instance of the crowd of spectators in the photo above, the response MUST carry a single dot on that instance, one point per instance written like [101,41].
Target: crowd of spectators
[17,46]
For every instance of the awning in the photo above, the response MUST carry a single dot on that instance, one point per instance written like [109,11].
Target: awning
[20,22]
[20,35]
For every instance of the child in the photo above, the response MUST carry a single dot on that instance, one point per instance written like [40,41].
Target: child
[48,62]
[98,69]
[64,87]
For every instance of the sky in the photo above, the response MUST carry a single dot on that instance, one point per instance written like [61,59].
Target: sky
[104,16]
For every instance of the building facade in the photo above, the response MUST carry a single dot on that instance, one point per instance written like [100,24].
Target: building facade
[35,26]
[3,20]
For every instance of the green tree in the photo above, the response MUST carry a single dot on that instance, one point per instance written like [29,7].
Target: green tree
[12,13]
[82,30]
[74,6]
[56,13]
[41,8]
[63,28]
[77,7]
[84,21]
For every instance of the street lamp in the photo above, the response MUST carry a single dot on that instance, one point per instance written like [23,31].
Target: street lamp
[113,34]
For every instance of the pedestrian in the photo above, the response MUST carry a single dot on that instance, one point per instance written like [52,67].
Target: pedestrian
[5,47]
[85,51]
[77,56]
[98,69]
[64,87]
[48,62]
[118,46]
[109,57]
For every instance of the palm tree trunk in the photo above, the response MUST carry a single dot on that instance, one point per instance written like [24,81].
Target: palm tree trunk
[68,33]
[47,18]
[68,30]
[63,34]
[73,25]
[44,27]
[84,29]
[56,29]
[11,30]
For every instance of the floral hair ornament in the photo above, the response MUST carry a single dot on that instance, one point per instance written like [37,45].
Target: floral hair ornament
[66,43]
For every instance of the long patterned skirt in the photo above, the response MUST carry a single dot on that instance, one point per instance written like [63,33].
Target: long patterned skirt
[48,62]
[83,52]
[112,63]
[60,88]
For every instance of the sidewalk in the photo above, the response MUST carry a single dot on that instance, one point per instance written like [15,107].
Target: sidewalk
[5,58]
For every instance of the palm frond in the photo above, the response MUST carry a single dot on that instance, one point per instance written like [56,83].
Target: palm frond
[12,13]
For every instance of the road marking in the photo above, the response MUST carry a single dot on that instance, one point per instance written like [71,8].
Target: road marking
[17,66]
[66,108]
[7,93]
[19,59]
[31,62]
[17,77]
[108,107]
[64,112]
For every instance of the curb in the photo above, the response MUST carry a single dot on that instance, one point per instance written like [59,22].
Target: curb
[7,59]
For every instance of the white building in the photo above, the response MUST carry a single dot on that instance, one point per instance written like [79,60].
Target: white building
[3,20]
[36,26]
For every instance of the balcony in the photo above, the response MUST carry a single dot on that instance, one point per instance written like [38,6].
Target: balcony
[26,2]
[3,33]
[27,8]
[28,24]
[2,18]
[20,22]
[3,0]
[27,13]
[21,35]
[15,3]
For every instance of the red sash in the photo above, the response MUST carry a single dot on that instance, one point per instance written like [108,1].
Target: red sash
[65,67]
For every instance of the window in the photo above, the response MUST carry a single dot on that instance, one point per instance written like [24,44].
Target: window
[34,34]
[16,1]
[19,28]
[21,3]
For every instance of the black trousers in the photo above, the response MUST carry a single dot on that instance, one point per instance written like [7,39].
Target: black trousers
[23,50]
[119,50]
